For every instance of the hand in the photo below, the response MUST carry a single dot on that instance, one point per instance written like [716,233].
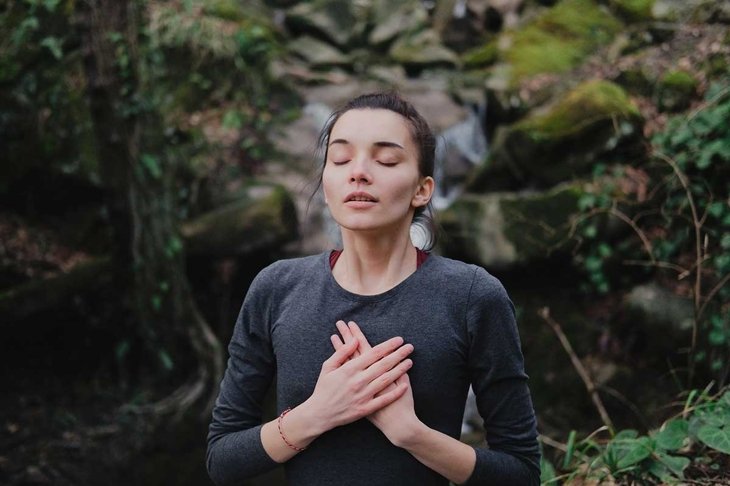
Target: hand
[351,387]
[398,419]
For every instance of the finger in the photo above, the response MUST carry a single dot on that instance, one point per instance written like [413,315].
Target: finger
[376,353]
[383,381]
[357,333]
[386,398]
[387,363]
[340,356]
[336,341]
[346,334]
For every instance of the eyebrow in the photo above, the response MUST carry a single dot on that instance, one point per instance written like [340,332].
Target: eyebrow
[382,143]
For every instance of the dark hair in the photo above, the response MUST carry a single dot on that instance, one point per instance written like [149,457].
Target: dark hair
[422,136]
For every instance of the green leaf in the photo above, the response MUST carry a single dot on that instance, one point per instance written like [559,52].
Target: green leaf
[672,435]
[156,302]
[53,44]
[166,360]
[633,451]
[547,471]
[676,464]
[150,163]
[232,120]
[717,337]
[715,437]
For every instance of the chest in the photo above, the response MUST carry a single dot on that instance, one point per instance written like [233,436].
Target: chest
[301,340]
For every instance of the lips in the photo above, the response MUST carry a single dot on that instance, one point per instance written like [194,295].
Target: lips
[360,196]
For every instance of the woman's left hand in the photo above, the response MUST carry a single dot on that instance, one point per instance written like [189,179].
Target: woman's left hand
[397,420]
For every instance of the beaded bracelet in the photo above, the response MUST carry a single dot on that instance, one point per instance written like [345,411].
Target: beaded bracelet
[281,433]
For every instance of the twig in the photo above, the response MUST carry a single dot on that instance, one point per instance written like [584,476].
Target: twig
[578,365]
[697,225]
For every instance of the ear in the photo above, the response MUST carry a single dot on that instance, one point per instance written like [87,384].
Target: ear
[424,192]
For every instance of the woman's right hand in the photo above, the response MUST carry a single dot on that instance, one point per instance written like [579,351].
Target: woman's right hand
[349,387]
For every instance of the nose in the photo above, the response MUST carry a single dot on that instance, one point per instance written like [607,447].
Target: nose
[359,170]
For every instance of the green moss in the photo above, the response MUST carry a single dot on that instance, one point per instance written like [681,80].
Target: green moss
[537,224]
[588,103]
[224,9]
[675,91]
[480,56]
[633,10]
[560,38]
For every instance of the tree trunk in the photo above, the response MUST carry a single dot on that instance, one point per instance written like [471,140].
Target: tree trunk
[140,182]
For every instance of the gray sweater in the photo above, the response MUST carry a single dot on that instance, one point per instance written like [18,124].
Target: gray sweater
[462,325]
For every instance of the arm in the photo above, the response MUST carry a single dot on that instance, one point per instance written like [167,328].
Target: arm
[497,373]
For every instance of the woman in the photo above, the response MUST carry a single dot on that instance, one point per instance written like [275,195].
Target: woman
[389,414]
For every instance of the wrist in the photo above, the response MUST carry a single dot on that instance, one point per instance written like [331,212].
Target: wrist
[316,423]
[411,435]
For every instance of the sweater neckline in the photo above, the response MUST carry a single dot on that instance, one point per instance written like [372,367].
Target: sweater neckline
[409,281]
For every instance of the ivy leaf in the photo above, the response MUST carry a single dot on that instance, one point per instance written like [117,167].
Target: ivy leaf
[633,451]
[152,165]
[166,360]
[676,464]
[672,436]
[717,438]
[53,44]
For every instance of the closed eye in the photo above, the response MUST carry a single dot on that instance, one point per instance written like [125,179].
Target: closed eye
[387,164]
[340,162]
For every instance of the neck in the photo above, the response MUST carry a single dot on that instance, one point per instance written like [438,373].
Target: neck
[373,264]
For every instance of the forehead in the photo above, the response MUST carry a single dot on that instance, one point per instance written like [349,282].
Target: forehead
[368,126]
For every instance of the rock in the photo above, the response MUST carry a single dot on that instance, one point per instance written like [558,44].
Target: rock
[499,230]
[594,120]
[481,56]
[675,91]
[341,22]
[266,218]
[559,39]
[633,10]
[699,11]
[318,54]
[459,27]
[393,19]
[422,50]
[635,80]
[655,307]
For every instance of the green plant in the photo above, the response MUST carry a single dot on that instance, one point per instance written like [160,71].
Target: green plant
[677,206]
[700,434]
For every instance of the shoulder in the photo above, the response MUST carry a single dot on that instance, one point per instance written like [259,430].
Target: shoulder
[287,272]
[466,275]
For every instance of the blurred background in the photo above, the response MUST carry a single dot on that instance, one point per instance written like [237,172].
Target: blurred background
[155,155]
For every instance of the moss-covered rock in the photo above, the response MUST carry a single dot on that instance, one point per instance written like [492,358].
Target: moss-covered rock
[675,91]
[633,10]
[593,121]
[559,39]
[422,50]
[481,56]
[503,229]
[635,80]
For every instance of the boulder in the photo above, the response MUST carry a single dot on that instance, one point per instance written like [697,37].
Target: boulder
[423,50]
[340,22]
[500,230]
[266,218]
[394,19]
[558,39]
[659,310]
[318,54]
[675,91]
[633,10]
[596,120]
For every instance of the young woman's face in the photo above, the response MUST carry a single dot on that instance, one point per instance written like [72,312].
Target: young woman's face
[371,179]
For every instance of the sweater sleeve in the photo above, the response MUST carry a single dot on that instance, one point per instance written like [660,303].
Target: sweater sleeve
[500,384]
[235,451]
